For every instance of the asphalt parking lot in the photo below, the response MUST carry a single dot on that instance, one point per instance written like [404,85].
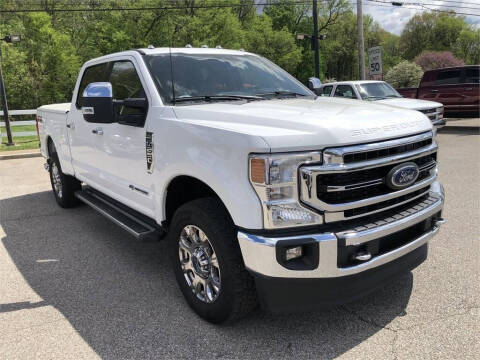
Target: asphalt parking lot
[74,285]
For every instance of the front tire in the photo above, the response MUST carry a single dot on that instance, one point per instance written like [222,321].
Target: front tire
[207,262]
[63,186]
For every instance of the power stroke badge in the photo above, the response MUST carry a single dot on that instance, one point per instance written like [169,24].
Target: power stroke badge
[149,151]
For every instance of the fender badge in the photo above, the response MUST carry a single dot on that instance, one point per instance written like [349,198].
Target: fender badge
[149,151]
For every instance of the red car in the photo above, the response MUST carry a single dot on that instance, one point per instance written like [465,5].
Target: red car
[457,88]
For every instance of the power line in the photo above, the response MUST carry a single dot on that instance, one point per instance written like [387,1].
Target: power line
[417,6]
[457,2]
[447,6]
[150,8]
[423,7]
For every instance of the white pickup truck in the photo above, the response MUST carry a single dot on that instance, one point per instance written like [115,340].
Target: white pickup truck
[264,193]
[381,92]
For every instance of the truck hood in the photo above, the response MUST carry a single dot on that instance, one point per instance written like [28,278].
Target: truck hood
[413,104]
[306,124]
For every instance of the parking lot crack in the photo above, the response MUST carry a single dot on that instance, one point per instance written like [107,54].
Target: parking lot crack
[368,321]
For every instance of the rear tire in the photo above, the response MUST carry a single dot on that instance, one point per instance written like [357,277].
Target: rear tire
[208,264]
[63,186]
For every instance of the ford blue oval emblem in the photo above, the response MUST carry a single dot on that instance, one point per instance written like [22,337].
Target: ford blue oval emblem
[402,176]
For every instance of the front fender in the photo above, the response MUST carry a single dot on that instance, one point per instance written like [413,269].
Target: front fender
[217,157]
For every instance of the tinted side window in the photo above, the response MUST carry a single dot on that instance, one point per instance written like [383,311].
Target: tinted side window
[448,77]
[126,84]
[472,75]
[95,73]
[327,90]
[345,91]
[125,81]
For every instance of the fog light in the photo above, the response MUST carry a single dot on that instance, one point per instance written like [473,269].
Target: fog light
[293,253]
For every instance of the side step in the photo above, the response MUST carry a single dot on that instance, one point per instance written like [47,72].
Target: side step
[139,225]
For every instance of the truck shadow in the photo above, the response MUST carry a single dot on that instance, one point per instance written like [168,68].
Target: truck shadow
[120,295]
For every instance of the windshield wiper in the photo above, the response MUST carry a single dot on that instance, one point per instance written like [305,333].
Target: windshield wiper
[392,96]
[282,93]
[373,97]
[217,97]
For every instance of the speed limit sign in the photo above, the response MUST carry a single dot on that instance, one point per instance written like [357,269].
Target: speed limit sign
[375,60]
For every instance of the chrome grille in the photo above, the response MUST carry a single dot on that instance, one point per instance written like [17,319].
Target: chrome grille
[381,153]
[356,185]
[432,114]
[345,187]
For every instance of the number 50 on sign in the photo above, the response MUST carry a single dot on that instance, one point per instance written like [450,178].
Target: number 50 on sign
[375,60]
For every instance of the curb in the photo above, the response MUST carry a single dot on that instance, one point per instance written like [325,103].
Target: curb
[24,155]
[460,129]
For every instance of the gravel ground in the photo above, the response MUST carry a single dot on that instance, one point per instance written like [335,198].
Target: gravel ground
[73,285]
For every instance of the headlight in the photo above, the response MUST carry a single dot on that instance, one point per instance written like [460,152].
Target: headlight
[440,112]
[274,178]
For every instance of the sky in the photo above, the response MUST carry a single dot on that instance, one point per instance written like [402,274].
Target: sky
[393,19]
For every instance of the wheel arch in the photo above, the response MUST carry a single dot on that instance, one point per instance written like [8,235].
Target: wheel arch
[50,146]
[184,188]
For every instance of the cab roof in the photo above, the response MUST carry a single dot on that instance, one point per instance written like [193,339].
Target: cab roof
[353,82]
[166,50]
[192,50]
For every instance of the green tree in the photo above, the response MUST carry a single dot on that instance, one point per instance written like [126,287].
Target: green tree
[50,59]
[405,74]
[430,31]
[467,46]
[277,46]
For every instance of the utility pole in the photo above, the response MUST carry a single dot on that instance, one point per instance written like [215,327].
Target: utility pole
[5,106]
[361,50]
[315,39]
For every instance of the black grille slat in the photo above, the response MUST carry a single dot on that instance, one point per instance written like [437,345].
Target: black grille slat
[360,176]
[428,111]
[377,154]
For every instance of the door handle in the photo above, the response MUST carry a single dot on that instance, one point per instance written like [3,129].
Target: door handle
[468,89]
[71,126]
[98,131]
[434,90]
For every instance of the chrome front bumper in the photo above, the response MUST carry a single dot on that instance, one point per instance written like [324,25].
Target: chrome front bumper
[259,252]
[439,123]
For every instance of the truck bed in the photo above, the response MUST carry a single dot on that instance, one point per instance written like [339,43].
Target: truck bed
[52,120]
[56,108]
[408,92]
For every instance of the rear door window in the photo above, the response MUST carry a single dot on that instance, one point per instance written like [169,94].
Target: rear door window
[94,73]
[448,77]
[472,75]
[345,91]
[327,90]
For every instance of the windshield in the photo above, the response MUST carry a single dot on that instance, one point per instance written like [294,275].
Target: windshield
[377,91]
[209,77]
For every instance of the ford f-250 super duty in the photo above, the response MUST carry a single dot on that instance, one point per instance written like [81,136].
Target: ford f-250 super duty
[264,193]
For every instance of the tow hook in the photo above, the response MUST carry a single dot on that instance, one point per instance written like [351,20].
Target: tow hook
[363,256]
[440,221]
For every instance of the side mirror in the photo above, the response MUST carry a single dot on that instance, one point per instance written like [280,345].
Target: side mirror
[131,111]
[97,103]
[314,84]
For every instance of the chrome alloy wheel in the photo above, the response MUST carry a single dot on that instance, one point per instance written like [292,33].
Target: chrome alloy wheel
[56,180]
[199,263]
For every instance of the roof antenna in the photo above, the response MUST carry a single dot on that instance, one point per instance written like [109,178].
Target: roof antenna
[171,75]
[171,65]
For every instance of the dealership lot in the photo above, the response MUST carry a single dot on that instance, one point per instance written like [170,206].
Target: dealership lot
[74,285]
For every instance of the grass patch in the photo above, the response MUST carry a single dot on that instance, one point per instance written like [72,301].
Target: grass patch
[3,130]
[21,143]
